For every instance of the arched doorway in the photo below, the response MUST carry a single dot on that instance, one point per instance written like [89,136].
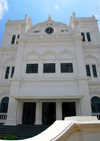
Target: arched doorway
[4,105]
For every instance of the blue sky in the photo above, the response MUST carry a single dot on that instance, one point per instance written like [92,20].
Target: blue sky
[38,10]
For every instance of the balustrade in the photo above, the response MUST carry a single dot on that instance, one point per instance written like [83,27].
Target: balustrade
[3,116]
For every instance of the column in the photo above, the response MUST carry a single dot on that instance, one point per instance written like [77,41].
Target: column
[58,110]
[38,115]
[78,107]
[20,111]
[12,112]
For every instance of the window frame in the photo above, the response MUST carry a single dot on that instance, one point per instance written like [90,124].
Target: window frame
[4,104]
[66,68]
[33,69]
[95,104]
[87,70]
[17,36]
[94,70]
[7,73]
[11,73]
[83,39]
[50,68]
[13,40]
[88,36]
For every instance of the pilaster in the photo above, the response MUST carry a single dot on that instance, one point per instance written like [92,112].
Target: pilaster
[57,68]
[85,102]
[18,62]
[12,112]
[1,74]
[20,111]
[80,59]
[40,71]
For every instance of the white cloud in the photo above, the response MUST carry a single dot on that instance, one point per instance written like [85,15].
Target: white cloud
[3,7]
[97,16]
[56,6]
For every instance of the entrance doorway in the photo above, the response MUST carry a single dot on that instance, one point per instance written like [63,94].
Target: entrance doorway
[68,109]
[29,112]
[48,112]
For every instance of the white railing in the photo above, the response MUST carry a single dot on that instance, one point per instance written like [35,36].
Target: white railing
[3,117]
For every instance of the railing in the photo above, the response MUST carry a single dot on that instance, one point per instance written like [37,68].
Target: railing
[95,114]
[3,117]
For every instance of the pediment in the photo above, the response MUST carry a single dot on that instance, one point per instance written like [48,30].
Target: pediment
[58,28]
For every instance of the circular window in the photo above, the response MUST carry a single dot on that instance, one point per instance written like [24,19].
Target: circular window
[49,30]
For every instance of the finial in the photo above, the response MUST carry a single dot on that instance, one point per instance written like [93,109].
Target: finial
[30,20]
[26,16]
[74,17]
[74,14]
[93,16]
[49,17]
[9,19]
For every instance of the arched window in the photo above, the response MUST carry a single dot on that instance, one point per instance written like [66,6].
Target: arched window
[95,105]
[4,105]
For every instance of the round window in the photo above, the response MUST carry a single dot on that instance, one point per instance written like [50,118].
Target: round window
[49,30]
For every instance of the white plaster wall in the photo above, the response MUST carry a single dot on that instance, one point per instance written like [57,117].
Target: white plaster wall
[91,136]
[59,47]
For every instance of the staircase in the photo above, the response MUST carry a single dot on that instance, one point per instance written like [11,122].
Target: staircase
[22,131]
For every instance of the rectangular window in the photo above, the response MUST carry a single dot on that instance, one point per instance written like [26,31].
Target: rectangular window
[12,71]
[94,70]
[98,107]
[13,39]
[32,68]
[7,72]
[88,36]
[88,70]
[66,68]
[93,108]
[49,68]
[83,35]
[18,36]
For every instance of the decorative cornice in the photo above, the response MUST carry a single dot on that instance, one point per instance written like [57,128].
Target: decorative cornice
[4,85]
[47,97]
[49,79]
[50,40]
[83,78]
[8,49]
[90,46]
[93,83]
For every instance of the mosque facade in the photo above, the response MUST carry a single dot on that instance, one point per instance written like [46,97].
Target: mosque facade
[49,71]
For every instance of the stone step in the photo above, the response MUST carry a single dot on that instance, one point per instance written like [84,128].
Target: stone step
[22,131]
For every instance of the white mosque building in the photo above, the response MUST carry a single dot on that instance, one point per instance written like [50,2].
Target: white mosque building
[49,71]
